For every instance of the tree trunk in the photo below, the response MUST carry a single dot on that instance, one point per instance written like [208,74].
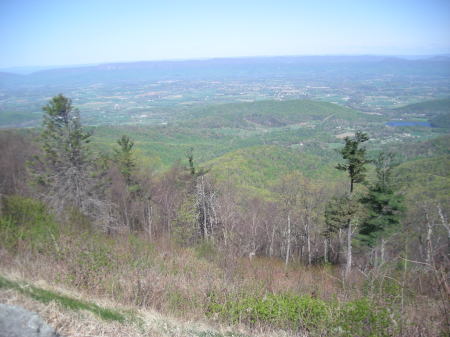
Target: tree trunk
[429,245]
[205,228]
[338,253]
[348,267]
[149,220]
[308,241]
[271,242]
[288,246]
[446,226]
[382,251]
[325,253]
[309,248]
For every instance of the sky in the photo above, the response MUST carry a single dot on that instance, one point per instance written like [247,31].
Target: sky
[69,32]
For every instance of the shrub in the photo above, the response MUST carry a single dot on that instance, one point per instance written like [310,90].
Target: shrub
[27,220]
[355,318]
[283,310]
[365,319]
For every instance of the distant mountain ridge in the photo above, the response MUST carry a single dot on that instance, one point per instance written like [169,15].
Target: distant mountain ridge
[215,68]
[232,60]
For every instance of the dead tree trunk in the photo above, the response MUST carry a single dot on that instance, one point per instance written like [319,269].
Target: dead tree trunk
[429,246]
[382,248]
[288,245]
[348,266]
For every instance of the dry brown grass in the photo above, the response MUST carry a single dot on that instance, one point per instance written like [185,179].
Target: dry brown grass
[151,323]
[160,278]
[70,323]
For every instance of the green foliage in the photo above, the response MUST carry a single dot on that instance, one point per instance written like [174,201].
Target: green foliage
[413,150]
[91,256]
[124,158]
[383,206]
[284,310]
[65,165]
[63,137]
[441,121]
[364,319]
[355,158]
[27,220]
[268,113]
[263,166]
[339,211]
[355,318]
[424,179]
[433,107]
[18,118]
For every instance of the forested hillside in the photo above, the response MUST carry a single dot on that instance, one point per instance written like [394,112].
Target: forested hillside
[274,217]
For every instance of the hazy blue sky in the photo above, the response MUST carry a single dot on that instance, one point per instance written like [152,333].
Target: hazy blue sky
[45,32]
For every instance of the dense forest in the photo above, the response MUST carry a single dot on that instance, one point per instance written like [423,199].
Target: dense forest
[289,217]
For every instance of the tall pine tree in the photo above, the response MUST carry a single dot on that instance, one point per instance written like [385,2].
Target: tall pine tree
[66,159]
[383,206]
[354,155]
[124,157]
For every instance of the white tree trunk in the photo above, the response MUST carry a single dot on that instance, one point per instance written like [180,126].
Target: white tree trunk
[446,225]
[203,197]
[340,245]
[149,220]
[382,251]
[308,242]
[428,243]
[288,245]
[348,267]
[271,242]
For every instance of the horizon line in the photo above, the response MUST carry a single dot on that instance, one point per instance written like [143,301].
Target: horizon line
[59,66]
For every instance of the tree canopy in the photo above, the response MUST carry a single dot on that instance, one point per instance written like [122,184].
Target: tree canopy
[355,158]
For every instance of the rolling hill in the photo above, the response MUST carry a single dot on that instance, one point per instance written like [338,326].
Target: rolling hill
[429,108]
[270,114]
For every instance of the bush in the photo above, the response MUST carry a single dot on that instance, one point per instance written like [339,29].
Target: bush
[356,318]
[284,310]
[365,319]
[27,220]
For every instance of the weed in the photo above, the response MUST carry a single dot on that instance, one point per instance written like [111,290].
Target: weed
[46,296]
[27,220]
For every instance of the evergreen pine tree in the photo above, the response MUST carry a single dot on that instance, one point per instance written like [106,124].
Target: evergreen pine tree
[124,158]
[383,205]
[355,157]
[66,158]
